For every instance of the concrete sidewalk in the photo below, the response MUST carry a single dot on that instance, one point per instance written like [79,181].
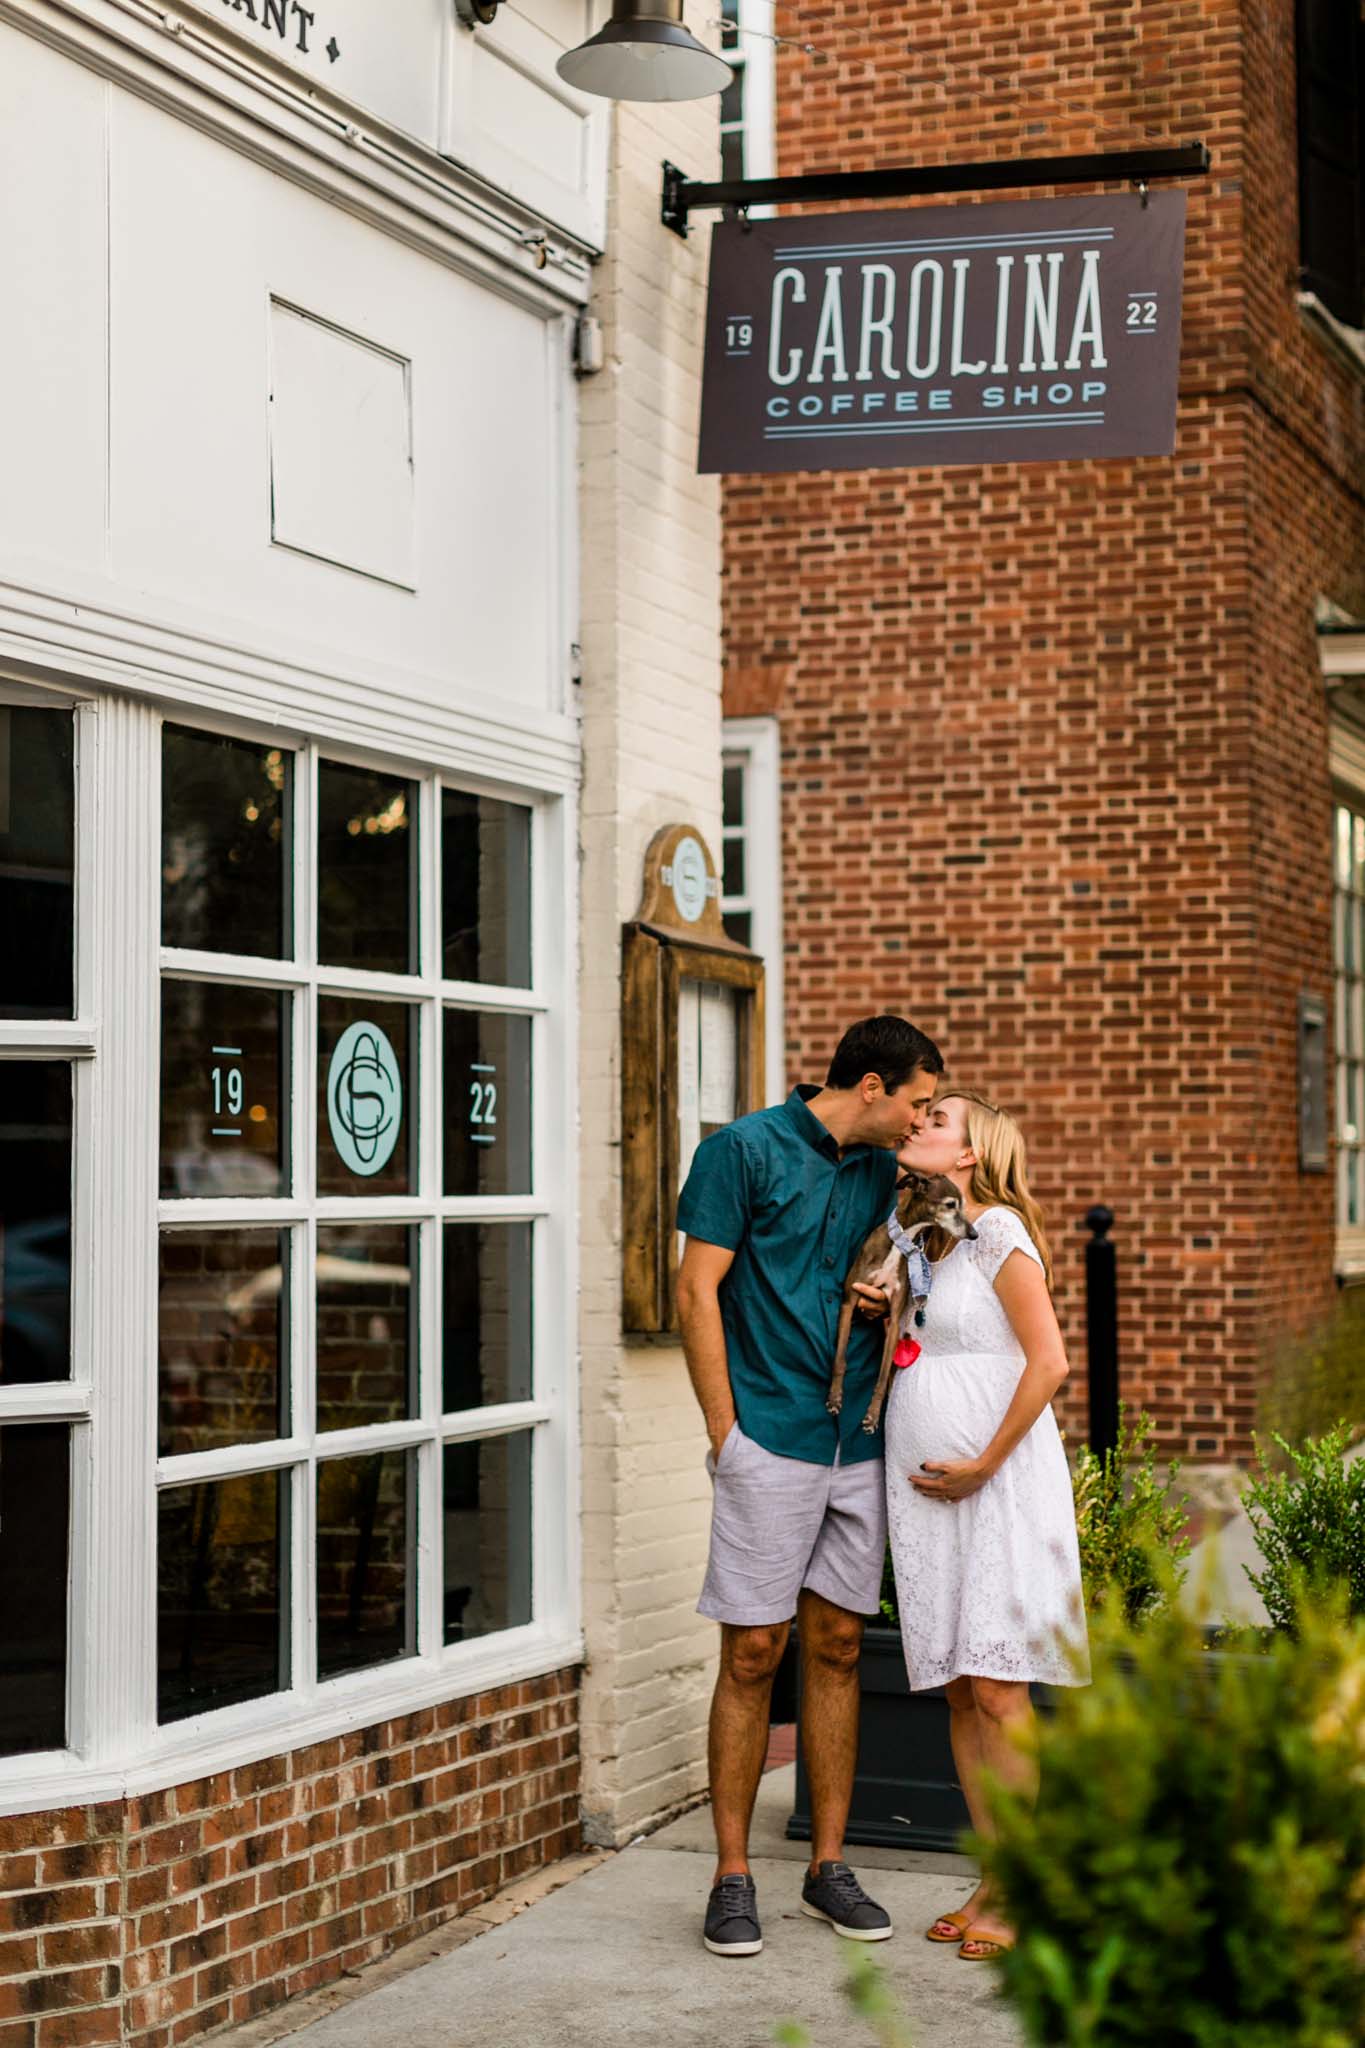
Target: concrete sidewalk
[613,1959]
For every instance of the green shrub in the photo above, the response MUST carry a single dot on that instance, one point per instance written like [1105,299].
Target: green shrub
[1309,1521]
[1312,1381]
[1130,1525]
[1192,1875]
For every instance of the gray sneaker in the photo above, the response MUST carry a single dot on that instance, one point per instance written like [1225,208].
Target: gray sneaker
[732,1927]
[836,1895]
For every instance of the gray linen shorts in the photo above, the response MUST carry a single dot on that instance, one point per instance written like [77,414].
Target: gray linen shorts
[778,1524]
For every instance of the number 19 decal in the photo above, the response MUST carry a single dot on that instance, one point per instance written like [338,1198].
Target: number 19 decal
[226,1082]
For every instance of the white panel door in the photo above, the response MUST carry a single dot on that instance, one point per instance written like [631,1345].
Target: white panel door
[511,118]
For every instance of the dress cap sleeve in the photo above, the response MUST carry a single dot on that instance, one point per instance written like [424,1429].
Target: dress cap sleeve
[998,1233]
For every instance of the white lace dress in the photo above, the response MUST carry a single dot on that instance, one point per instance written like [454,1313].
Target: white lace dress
[986,1585]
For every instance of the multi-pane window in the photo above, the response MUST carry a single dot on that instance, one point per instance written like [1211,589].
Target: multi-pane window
[1330,51]
[751,866]
[748,43]
[347,1416]
[1349,927]
[275,1401]
[42,1046]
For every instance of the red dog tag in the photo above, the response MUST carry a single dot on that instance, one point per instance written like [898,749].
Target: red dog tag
[905,1353]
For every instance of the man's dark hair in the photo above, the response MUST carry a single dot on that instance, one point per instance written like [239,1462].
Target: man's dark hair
[888,1046]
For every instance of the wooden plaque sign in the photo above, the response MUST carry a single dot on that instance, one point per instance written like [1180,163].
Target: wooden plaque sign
[691,1058]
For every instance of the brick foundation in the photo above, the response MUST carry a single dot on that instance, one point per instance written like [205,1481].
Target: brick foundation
[150,1920]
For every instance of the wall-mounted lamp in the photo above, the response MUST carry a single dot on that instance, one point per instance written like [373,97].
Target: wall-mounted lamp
[643,53]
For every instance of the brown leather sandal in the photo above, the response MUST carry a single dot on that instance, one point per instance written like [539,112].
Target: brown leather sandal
[987,1946]
[959,1922]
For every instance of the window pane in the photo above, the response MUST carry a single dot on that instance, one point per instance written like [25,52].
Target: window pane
[367,826]
[732,153]
[364,1572]
[222,1633]
[223,1338]
[35,1514]
[223,1067]
[367,1353]
[739,926]
[485,889]
[366,1097]
[224,805]
[487,1104]
[732,100]
[732,793]
[487,1330]
[487,1536]
[37,861]
[732,881]
[35,1221]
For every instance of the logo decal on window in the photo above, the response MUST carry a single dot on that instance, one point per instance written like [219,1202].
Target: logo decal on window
[364,1098]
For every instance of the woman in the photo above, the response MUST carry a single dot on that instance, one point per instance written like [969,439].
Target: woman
[983,1532]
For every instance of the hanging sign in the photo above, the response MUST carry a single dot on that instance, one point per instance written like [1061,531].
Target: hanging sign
[1023,330]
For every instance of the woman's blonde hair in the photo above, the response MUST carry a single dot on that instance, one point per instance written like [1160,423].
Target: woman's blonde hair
[1000,1175]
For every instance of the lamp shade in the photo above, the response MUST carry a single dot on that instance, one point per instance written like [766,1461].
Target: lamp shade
[645,53]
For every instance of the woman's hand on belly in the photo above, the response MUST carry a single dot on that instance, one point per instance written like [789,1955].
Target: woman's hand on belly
[949,1479]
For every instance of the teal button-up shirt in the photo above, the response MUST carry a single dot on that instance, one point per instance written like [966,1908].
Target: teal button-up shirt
[773,1189]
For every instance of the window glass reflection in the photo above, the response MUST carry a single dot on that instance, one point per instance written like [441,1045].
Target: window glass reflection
[366,1097]
[367,831]
[487,1319]
[364,1568]
[221,1623]
[487,1536]
[35,1513]
[37,861]
[485,889]
[223,1093]
[224,805]
[35,1221]
[487,1104]
[223,1319]
[366,1340]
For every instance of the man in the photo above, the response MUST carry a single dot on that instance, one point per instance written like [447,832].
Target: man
[775,1209]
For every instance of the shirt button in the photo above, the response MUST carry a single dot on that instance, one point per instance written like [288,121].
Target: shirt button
[829,1262]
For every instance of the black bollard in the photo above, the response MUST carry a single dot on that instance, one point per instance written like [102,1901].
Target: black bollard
[1102,1330]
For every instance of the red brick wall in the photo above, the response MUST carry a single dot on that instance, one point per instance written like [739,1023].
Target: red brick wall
[153,1919]
[1054,740]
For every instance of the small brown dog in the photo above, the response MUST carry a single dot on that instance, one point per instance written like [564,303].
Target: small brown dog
[923,1200]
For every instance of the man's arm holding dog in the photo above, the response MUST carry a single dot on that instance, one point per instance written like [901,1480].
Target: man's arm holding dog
[703,1268]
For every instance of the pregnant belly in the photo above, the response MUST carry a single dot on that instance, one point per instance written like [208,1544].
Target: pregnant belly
[947,1407]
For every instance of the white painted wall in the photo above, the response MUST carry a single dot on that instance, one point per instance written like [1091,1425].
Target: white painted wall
[651,731]
[144,376]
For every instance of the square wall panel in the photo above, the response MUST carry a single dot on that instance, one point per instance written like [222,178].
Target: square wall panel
[341,483]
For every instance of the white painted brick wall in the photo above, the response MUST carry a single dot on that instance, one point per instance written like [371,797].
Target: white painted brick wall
[651,736]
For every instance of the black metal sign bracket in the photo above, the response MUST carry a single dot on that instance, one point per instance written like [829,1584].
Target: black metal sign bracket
[683,195]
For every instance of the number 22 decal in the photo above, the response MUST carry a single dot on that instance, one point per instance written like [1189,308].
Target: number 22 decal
[483,1097]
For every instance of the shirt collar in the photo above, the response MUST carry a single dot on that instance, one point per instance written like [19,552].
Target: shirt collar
[813,1131]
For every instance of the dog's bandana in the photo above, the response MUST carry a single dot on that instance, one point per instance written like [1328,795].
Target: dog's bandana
[917,1267]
